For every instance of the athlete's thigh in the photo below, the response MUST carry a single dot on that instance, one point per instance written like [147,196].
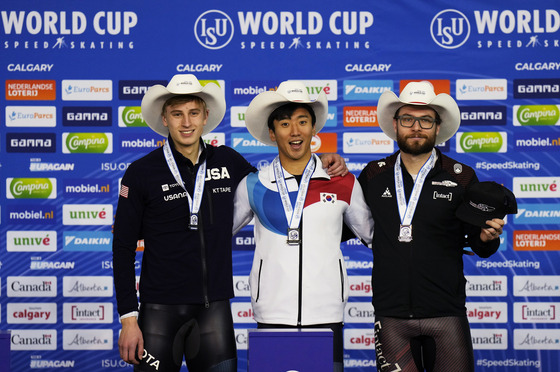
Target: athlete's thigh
[454,351]
[159,325]
[392,343]
[216,337]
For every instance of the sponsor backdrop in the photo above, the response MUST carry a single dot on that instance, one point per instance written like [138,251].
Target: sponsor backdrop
[74,72]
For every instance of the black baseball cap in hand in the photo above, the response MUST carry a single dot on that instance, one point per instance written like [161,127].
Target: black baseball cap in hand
[484,201]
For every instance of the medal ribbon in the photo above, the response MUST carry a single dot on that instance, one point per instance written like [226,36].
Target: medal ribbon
[194,203]
[406,212]
[293,215]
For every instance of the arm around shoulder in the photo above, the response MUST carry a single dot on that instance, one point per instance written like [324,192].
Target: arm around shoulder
[242,212]
[358,215]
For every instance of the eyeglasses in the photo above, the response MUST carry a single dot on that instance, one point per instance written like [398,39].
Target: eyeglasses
[407,121]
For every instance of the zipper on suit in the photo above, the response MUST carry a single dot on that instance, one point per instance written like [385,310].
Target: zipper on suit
[259,281]
[300,281]
[341,270]
[203,262]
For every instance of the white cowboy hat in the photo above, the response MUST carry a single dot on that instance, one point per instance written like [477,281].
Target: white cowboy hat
[260,108]
[181,84]
[419,93]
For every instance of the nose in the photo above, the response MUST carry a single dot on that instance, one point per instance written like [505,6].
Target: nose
[294,129]
[416,123]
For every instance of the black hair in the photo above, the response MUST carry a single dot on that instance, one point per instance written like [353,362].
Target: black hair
[286,111]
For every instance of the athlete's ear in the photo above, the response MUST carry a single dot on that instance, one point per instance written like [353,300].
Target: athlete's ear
[206,118]
[272,135]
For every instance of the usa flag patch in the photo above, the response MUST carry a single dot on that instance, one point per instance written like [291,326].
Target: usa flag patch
[124,191]
[328,198]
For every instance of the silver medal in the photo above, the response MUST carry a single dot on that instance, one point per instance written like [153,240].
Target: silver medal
[293,236]
[405,234]
[194,222]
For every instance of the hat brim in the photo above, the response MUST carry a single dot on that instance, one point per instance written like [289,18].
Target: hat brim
[155,97]
[443,103]
[470,215]
[260,108]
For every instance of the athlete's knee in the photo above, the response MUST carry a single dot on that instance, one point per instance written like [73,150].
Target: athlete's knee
[229,365]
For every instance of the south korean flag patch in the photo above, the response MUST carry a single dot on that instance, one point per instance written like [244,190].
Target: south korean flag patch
[328,198]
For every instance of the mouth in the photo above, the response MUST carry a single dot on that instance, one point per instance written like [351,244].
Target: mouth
[187,132]
[296,144]
[416,137]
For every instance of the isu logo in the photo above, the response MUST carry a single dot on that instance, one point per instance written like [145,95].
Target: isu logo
[450,29]
[213,29]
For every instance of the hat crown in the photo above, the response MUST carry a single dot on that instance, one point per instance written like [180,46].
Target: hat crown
[484,201]
[492,195]
[294,91]
[418,92]
[289,91]
[184,84]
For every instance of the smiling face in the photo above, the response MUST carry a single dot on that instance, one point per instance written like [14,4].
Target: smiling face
[185,120]
[293,134]
[416,140]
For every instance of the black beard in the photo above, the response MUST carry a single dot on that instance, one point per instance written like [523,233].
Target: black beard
[417,149]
